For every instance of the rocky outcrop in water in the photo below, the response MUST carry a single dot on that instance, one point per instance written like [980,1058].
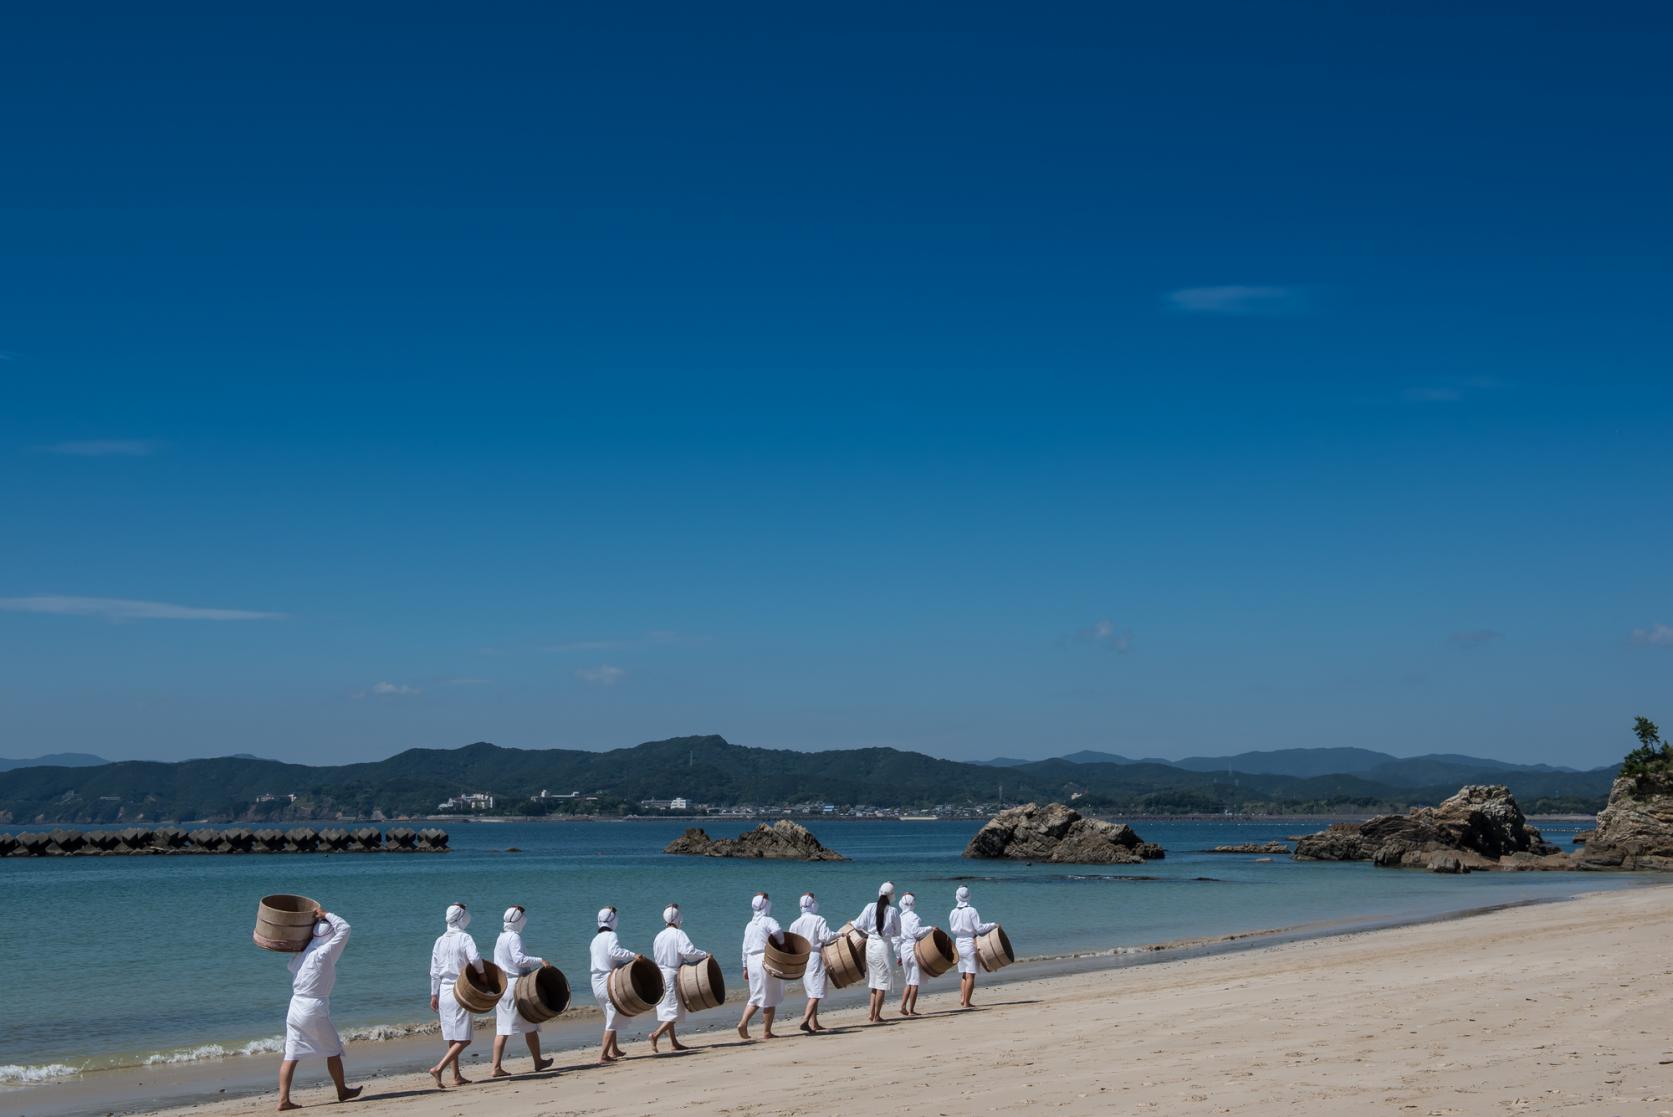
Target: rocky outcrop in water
[1481,827]
[1252,847]
[1056,833]
[782,841]
[1635,829]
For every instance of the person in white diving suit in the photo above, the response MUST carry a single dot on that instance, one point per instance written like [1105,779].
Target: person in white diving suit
[911,930]
[672,949]
[765,990]
[309,1032]
[812,927]
[964,923]
[514,962]
[453,951]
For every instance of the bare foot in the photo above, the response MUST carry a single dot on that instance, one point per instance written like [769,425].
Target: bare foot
[806,1028]
[606,1060]
[284,1105]
[436,1074]
[678,1046]
[743,1031]
[500,1072]
[768,1035]
[350,1094]
[542,1064]
[460,1081]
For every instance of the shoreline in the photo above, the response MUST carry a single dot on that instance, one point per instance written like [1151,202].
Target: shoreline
[378,1052]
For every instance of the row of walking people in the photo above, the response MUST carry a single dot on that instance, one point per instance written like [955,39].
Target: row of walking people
[892,934]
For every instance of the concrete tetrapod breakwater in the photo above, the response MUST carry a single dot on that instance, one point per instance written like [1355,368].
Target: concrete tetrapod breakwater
[171,840]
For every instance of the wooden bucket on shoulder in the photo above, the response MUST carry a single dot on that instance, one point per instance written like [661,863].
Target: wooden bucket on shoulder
[936,953]
[786,956]
[479,994]
[993,950]
[701,985]
[284,923]
[541,995]
[635,987]
[845,959]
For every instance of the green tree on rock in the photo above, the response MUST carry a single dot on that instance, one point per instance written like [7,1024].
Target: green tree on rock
[1653,756]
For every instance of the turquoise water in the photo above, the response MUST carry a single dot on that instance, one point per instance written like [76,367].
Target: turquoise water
[136,958]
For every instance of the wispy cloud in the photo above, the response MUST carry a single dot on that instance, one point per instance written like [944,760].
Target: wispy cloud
[1105,634]
[105,448]
[1473,638]
[124,609]
[602,675]
[1451,391]
[1656,636]
[1237,299]
[660,637]
[388,690]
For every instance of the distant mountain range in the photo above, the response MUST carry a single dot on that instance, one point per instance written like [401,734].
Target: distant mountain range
[57,759]
[1380,767]
[713,771]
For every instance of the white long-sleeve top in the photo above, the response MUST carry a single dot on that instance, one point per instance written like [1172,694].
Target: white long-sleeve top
[673,949]
[454,950]
[608,953]
[812,927]
[912,927]
[314,971]
[756,932]
[510,956]
[966,923]
[867,922]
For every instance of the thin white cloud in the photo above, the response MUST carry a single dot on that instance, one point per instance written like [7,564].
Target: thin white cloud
[602,675]
[124,609]
[1105,634]
[389,689]
[1237,299]
[1473,638]
[660,637]
[105,448]
[1451,391]
[1656,636]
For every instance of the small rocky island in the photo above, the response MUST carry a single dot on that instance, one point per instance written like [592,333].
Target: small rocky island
[1252,847]
[1058,834]
[1481,827]
[1635,829]
[782,841]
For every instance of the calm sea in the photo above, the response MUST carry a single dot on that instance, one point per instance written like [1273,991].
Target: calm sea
[123,960]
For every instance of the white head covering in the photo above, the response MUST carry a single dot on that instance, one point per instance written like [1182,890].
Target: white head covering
[457,917]
[671,915]
[809,904]
[908,902]
[514,918]
[321,929]
[607,918]
[887,889]
[760,905]
[963,896]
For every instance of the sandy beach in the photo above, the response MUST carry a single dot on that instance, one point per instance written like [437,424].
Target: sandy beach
[1553,1008]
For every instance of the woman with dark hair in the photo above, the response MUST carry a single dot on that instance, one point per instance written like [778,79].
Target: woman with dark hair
[881,923]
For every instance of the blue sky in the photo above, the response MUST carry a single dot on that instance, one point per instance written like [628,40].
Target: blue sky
[1161,380]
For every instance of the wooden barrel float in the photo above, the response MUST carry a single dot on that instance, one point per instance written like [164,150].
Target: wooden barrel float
[994,951]
[701,985]
[787,956]
[635,987]
[542,994]
[284,923]
[845,959]
[479,994]
[936,953]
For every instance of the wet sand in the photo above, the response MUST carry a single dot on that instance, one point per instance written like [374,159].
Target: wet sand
[1554,1008]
